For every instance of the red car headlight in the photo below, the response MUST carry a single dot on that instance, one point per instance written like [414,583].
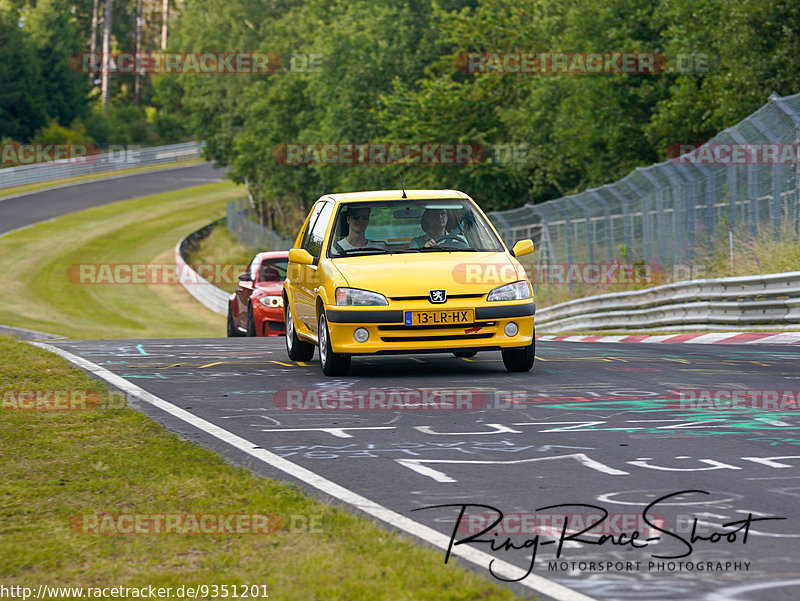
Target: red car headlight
[273,302]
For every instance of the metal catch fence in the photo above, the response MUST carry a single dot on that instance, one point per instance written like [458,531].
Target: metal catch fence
[249,232]
[745,180]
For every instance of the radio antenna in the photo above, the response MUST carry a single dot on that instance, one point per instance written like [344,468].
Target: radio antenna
[402,185]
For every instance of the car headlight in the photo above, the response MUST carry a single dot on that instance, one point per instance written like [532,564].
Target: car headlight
[271,301]
[514,291]
[359,298]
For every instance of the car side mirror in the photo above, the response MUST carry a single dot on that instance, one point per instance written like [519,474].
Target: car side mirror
[522,248]
[300,256]
[245,277]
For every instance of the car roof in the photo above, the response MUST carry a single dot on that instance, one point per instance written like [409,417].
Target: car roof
[375,195]
[272,254]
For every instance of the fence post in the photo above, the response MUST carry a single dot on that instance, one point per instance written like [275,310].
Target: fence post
[752,187]
[589,228]
[608,225]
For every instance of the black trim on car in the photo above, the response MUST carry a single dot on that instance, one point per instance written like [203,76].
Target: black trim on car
[435,351]
[505,311]
[370,316]
[437,338]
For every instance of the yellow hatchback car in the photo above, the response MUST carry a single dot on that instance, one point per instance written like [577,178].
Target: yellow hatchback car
[414,271]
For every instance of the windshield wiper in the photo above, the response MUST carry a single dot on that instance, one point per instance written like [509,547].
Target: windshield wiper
[448,248]
[370,249]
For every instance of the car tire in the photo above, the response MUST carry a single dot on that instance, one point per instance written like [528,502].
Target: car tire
[233,332]
[519,359]
[465,354]
[298,350]
[333,364]
[251,322]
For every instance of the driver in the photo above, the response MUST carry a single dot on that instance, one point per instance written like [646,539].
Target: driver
[433,223]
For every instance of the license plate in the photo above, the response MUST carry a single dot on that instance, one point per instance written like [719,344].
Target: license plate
[431,318]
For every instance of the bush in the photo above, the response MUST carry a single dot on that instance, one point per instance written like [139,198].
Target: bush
[54,133]
[119,125]
[170,129]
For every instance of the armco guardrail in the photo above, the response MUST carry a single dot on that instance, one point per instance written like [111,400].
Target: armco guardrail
[123,158]
[771,300]
[204,291]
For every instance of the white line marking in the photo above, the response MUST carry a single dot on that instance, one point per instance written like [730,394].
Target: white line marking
[439,476]
[339,432]
[535,583]
[731,593]
[711,338]
[652,339]
[783,338]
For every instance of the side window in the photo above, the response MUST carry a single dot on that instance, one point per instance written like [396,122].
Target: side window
[311,221]
[318,231]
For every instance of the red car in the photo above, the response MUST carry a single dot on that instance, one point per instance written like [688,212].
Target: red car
[256,308]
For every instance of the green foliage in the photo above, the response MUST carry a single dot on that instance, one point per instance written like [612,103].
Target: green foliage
[40,90]
[753,48]
[55,34]
[58,134]
[23,106]
[121,124]
[390,74]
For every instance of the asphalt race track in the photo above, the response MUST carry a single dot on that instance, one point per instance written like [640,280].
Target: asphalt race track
[29,208]
[592,424]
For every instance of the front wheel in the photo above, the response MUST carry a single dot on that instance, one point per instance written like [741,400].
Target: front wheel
[519,359]
[298,350]
[333,364]
[251,322]
[233,332]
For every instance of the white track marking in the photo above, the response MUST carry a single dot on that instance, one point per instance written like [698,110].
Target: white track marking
[711,338]
[783,338]
[651,339]
[417,465]
[427,534]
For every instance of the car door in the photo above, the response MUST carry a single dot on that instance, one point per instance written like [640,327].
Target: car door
[305,300]
[294,271]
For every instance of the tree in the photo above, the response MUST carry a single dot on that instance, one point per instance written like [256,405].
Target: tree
[56,37]
[22,100]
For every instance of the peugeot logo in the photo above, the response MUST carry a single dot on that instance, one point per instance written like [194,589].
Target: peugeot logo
[437,296]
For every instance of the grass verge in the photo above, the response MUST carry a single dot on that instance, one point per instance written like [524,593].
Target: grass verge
[92,176]
[40,269]
[61,464]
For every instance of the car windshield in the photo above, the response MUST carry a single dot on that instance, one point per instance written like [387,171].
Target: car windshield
[410,226]
[273,270]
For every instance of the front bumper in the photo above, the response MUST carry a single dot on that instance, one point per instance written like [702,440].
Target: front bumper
[269,321]
[389,335]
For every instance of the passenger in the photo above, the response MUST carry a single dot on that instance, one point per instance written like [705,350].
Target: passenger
[357,220]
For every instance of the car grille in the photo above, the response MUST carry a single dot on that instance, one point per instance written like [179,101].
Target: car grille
[437,338]
[436,333]
[426,297]
[446,326]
